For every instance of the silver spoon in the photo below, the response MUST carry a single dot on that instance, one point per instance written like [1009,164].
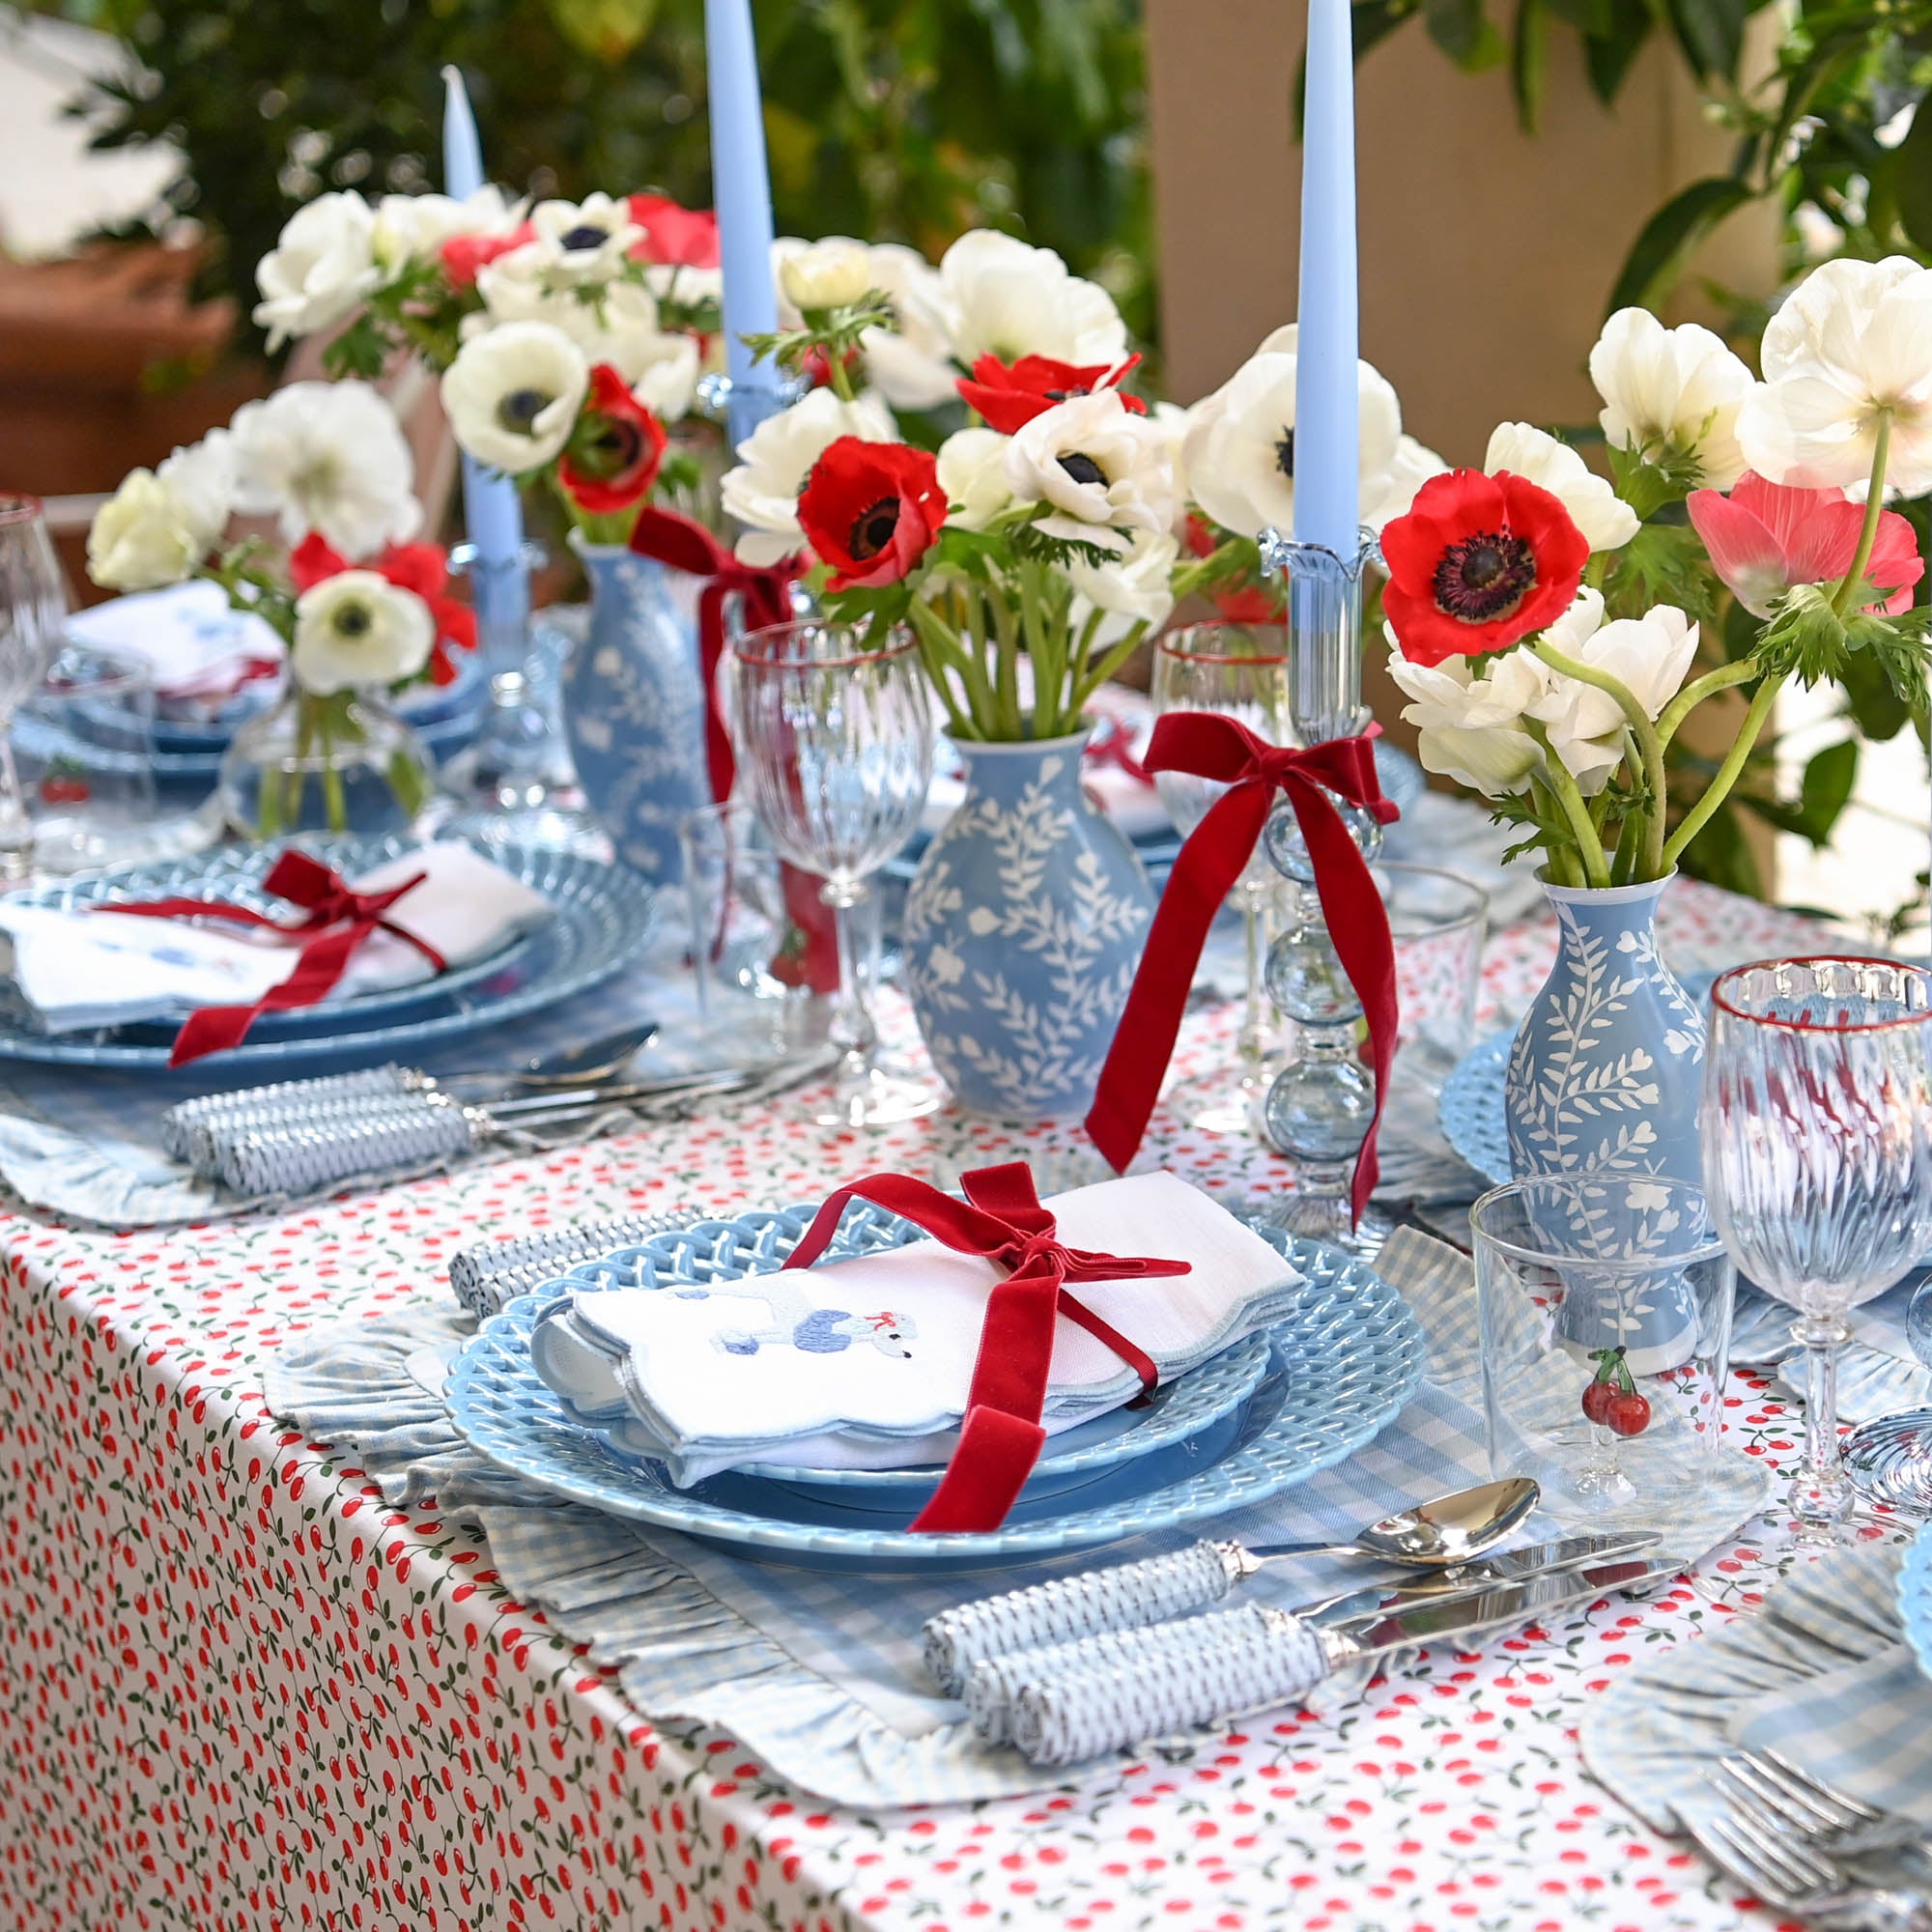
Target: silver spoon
[574,1066]
[1435,1535]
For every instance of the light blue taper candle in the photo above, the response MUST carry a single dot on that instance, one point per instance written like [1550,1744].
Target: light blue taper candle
[500,579]
[741,191]
[1328,430]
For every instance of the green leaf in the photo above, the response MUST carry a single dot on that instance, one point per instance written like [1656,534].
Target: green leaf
[1914,179]
[1670,235]
[1529,62]
[1806,636]
[1824,792]
[1711,33]
[1610,50]
[1464,33]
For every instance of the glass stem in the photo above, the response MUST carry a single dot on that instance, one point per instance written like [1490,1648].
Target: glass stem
[850,1025]
[16,831]
[1821,1493]
[1254,1041]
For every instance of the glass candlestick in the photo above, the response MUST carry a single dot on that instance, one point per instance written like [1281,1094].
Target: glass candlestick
[1319,1105]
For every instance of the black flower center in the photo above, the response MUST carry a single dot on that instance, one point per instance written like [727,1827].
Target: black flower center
[1066,395]
[521,408]
[872,529]
[1484,576]
[1283,454]
[612,447]
[1083,468]
[353,620]
[584,236]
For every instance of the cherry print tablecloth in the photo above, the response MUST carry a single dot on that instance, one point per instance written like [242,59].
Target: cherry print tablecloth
[239,1692]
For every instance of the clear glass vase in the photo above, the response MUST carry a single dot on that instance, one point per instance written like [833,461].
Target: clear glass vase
[341,763]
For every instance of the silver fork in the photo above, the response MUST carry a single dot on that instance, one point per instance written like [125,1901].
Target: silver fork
[1787,1874]
[1846,1826]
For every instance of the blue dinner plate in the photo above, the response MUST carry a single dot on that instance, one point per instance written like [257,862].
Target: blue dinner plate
[1340,1368]
[602,917]
[1470,1106]
[1914,1597]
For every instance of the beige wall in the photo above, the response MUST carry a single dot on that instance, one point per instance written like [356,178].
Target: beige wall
[1487,254]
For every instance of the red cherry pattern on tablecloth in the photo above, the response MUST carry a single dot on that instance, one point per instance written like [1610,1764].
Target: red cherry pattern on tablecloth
[239,1692]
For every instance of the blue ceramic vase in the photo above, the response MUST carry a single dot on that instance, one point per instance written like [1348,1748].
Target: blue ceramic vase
[1603,1074]
[633,709]
[1023,927]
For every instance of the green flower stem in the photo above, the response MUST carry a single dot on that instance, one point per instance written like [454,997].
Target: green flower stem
[942,651]
[841,377]
[1694,694]
[1650,747]
[1564,865]
[1874,510]
[1701,813]
[1575,814]
[1111,661]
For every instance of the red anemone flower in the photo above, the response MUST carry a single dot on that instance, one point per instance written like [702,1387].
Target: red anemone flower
[1244,604]
[615,450]
[422,568]
[1765,537]
[674,237]
[1477,563]
[1010,395]
[465,255]
[872,510]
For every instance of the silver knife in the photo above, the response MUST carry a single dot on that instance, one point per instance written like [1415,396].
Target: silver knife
[1471,1579]
[1107,1693]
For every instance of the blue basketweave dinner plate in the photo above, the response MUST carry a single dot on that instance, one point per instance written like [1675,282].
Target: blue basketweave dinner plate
[1914,1597]
[1470,1106]
[1340,1368]
[1184,1411]
[602,918]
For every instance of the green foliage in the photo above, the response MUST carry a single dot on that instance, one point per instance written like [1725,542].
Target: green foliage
[889,119]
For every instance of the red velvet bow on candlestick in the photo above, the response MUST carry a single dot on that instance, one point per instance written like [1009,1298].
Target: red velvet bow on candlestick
[1216,853]
[1001,1218]
[688,546]
[341,918]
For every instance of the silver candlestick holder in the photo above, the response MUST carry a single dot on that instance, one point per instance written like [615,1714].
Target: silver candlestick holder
[1319,1105]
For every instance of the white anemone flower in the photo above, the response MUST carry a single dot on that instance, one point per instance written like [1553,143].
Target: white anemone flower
[201,478]
[1009,299]
[413,227]
[1102,470]
[586,241]
[911,363]
[973,473]
[513,393]
[357,629]
[328,457]
[138,540]
[1392,494]
[1606,520]
[1471,726]
[321,269]
[1240,446]
[1672,392]
[1652,655]
[1137,588]
[1850,346]
[833,274]
[761,491]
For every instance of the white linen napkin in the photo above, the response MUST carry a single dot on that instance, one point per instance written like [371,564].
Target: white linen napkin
[81,970]
[877,1352]
[193,641]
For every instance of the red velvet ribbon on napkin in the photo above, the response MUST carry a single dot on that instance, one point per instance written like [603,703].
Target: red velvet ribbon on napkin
[1113,744]
[689,547]
[340,917]
[1001,1218]
[1216,853]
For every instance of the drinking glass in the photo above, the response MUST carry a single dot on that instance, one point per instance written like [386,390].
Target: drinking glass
[84,745]
[1566,1265]
[1889,1458]
[33,607]
[1816,1125]
[1239,670]
[834,736]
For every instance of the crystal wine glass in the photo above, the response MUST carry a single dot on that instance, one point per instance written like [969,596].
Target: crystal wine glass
[1239,670]
[834,736]
[33,609]
[1817,1134]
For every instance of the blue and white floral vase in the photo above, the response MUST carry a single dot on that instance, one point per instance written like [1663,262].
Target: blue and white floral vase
[1023,927]
[1604,1074]
[634,708]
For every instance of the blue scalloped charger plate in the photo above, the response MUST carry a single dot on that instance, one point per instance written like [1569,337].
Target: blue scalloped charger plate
[603,917]
[1914,1597]
[1470,1107]
[1340,1368]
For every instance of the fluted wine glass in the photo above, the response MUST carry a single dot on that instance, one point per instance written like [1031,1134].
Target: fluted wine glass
[33,610]
[1239,670]
[833,735]
[1816,1127]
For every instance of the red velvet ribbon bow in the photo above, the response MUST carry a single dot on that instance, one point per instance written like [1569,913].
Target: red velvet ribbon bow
[1216,853]
[1001,1218]
[341,918]
[688,546]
